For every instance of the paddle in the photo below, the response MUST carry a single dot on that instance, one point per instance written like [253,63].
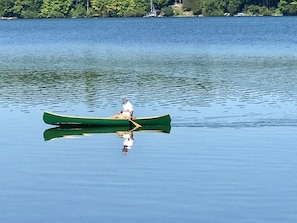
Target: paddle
[134,123]
[125,117]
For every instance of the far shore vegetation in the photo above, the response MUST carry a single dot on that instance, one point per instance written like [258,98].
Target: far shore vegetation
[137,8]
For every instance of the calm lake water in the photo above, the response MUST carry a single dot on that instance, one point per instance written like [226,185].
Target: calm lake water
[229,84]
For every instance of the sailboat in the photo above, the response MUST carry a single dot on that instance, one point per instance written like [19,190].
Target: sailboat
[152,12]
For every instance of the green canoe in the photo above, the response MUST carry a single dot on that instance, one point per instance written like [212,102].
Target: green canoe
[64,132]
[65,120]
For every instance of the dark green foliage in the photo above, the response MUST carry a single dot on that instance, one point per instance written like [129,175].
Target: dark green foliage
[55,8]
[6,8]
[78,11]
[288,7]
[167,11]
[135,8]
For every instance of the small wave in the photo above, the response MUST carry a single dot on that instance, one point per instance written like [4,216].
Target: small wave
[241,124]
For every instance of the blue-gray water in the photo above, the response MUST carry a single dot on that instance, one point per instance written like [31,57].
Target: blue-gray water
[229,84]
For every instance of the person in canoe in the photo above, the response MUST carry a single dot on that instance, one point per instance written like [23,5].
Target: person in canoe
[127,110]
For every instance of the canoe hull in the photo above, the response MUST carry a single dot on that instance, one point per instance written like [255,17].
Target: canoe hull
[63,120]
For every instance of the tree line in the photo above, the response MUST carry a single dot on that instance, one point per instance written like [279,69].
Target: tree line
[137,8]
[246,7]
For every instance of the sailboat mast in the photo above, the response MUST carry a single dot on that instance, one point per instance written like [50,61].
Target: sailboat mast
[151,6]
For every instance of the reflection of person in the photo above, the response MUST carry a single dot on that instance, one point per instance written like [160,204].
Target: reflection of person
[128,142]
[127,111]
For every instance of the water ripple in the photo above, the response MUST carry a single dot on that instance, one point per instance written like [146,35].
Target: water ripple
[193,85]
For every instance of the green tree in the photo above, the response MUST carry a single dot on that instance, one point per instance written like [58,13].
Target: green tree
[287,8]
[131,9]
[78,10]
[6,8]
[55,8]
[99,8]
[212,8]
[253,9]
[160,3]
[167,11]
[194,5]
[233,6]
[27,8]
[120,7]
[135,8]
[293,8]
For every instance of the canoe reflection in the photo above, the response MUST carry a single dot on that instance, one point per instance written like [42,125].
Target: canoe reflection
[64,132]
[123,131]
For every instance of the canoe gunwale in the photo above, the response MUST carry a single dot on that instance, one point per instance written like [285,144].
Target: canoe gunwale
[94,118]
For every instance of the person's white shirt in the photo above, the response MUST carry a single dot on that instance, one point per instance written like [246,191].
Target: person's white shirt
[127,109]
[128,140]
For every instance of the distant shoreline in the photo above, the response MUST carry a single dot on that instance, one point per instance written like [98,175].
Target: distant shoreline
[179,16]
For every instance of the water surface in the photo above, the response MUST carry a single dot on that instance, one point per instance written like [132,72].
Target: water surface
[229,85]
